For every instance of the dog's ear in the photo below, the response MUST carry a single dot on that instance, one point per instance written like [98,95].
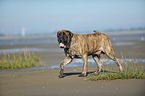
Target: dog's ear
[69,37]
[71,34]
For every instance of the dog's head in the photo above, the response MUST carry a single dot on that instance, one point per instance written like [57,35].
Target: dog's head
[64,38]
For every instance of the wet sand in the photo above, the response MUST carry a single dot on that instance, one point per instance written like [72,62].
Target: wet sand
[47,83]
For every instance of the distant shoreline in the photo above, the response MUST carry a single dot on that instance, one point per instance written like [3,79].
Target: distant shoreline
[27,36]
[133,32]
[126,32]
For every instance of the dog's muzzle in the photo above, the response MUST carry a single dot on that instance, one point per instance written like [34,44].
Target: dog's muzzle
[61,45]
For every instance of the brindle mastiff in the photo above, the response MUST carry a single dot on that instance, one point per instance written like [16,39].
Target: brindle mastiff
[82,46]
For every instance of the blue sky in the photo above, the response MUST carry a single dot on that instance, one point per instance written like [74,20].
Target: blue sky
[40,16]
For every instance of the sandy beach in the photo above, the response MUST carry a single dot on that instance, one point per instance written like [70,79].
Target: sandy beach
[45,82]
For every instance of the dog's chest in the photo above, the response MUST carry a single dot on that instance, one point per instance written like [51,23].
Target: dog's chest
[74,51]
[76,48]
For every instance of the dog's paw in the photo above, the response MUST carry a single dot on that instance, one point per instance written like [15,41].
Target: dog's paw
[61,76]
[82,75]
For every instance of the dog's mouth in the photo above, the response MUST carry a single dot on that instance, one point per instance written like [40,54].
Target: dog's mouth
[61,45]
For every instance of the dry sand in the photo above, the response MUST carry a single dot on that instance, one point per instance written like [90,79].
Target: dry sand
[47,83]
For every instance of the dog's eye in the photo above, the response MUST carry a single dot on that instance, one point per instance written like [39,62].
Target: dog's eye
[61,36]
[63,33]
[60,40]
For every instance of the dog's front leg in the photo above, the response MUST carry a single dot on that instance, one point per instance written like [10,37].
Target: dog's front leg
[84,73]
[66,61]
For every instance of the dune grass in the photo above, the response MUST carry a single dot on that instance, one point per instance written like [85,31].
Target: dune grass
[131,71]
[19,60]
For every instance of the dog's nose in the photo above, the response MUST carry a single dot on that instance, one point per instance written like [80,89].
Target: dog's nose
[61,45]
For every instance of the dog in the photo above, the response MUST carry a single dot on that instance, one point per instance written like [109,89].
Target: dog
[82,46]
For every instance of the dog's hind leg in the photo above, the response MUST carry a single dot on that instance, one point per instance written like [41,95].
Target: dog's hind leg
[112,56]
[98,62]
[66,61]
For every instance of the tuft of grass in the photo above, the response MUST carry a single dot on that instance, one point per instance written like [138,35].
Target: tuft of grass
[18,60]
[133,71]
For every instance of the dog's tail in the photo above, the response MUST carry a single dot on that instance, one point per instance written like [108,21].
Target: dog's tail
[96,32]
[100,33]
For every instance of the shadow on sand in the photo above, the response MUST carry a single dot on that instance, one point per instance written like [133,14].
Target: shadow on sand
[78,73]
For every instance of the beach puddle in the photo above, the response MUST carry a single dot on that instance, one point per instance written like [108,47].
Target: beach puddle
[16,50]
[122,43]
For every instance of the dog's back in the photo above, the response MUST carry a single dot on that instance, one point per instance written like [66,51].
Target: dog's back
[90,42]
